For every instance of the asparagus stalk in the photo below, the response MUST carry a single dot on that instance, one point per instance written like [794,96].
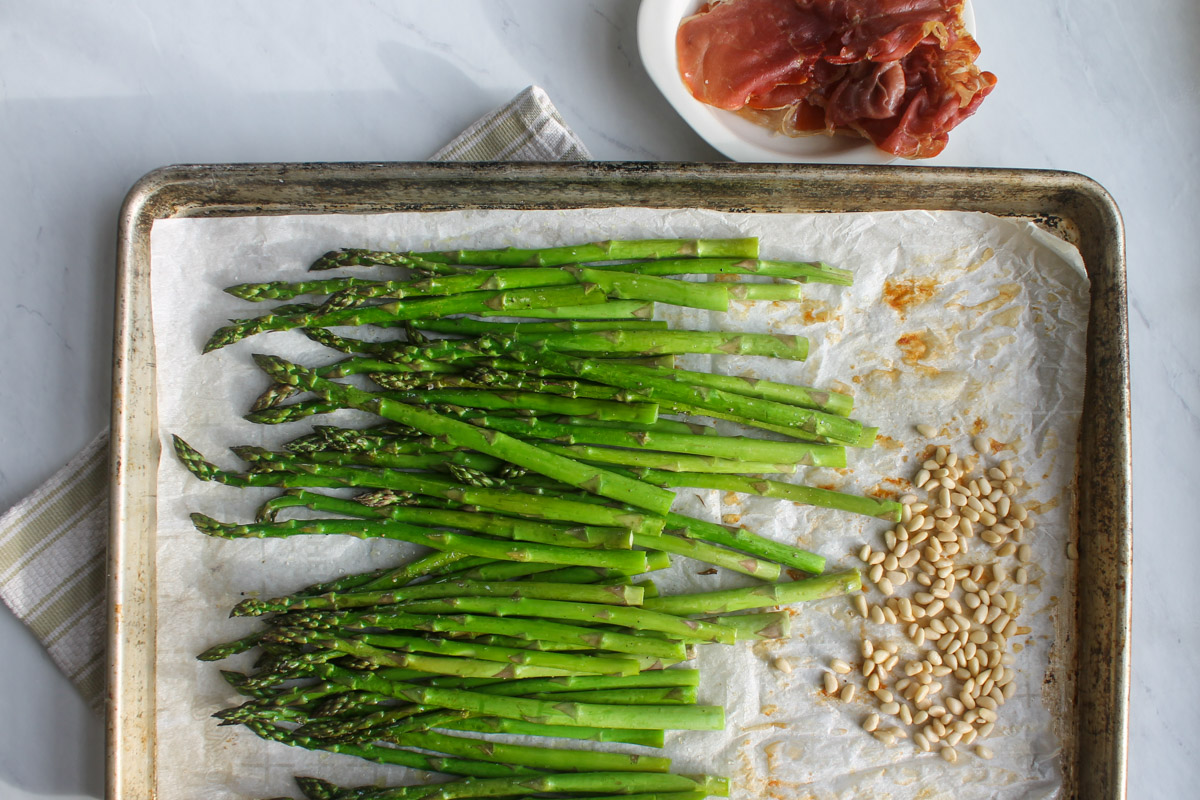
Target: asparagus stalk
[648,382]
[711,554]
[671,717]
[525,629]
[768,292]
[389,755]
[673,462]
[761,450]
[505,502]
[495,444]
[285,290]
[478,521]
[807,495]
[569,592]
[613,309]
[765,596]
[611,250]
[463,658]
[620,785]
[621,616]
[746,541]
[541,758]
[471,302]
[769,625]
[438,540]
[653,342]
[801,271]
[626,286]
[465,326]
[517,727]
[357,257]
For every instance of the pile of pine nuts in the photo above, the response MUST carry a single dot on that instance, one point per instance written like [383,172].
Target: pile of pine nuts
[959,609]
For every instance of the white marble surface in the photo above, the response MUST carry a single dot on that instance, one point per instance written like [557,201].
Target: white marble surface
[95,94]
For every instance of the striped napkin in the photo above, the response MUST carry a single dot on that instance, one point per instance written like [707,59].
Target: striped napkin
[52,544]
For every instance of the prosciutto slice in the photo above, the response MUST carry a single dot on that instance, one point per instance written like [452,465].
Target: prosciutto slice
[901,73]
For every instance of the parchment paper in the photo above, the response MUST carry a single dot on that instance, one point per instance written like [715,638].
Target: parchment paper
[984,331]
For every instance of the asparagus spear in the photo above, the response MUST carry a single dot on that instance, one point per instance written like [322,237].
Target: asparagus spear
[495,444]
[285,290]
[674,462]
[649,342]
[541,758]
[613,309]
[621,616]
[769,625]
[761,450]
[465,326]
[389,755]
[471,302]
[599,715]
[465,659]
[438,540]
[647,382]
[526,629]
[611,250]
[802,271]
[620,785]
[765,596]
[626,286]
[494,499]
[478,521]
[808,495]
[521,728]
[581,593]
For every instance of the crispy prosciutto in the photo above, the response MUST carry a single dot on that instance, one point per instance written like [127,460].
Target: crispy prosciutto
[901,73]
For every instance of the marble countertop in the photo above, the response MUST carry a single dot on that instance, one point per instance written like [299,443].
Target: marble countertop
[96,94]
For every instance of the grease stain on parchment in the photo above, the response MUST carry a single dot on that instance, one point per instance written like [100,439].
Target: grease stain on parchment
[903,295]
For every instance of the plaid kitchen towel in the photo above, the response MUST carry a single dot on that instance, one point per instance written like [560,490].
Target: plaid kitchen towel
[52,544]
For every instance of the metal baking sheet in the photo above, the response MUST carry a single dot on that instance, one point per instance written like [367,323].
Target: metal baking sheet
[1095,666]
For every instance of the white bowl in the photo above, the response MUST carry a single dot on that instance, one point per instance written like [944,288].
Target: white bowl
[738,138]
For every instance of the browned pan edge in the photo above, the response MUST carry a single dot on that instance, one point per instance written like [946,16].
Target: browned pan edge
[1094,762]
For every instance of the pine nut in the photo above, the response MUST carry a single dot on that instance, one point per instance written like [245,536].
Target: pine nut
[873,681]
[983,752]
[886,737]
[884,585]
[871,723]
[1025,554]
[920,741]
[875,572]
[950,754]
[985,730]
[884,695]
[831,684]
[939,455]
[875,557]
[980,444]
[890,708]
[847,693]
